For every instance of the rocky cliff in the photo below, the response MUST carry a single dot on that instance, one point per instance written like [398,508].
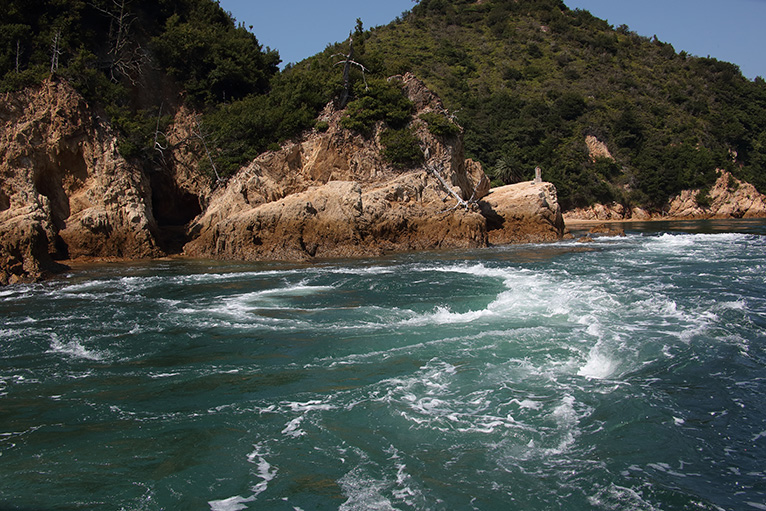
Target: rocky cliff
[67,193]
[728,198]
[332,195]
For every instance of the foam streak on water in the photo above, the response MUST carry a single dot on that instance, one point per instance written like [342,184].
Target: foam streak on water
[628,374]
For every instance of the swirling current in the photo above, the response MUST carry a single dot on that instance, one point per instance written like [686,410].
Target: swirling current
[623,374]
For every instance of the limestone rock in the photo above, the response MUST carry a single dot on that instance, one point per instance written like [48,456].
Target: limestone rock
[597,149]
[602,212]
[523,213]
[330,194]
[730,198]
[66,192]
[24,246]
[65,185]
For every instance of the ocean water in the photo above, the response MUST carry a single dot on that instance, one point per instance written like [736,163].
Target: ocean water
[625,374]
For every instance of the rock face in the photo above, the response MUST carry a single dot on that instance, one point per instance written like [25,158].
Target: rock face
[607,212]
[67,193]
[65,190]
[331,195]
[523,213]
[729,198]
[597,149]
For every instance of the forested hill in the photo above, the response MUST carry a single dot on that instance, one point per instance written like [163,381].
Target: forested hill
[132,57]
[529,80]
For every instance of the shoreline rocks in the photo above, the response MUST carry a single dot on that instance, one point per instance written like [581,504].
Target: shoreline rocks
[729,198]
[332,195]
[68,194]
[65,187]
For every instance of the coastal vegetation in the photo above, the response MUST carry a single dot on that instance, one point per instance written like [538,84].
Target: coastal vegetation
[528,80]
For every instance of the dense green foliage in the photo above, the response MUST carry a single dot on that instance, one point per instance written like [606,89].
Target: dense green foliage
[439,125]
[379,100]
[131,56]
[401,147]
[530,79]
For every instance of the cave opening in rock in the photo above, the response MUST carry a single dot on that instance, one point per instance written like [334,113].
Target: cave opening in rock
[173,209]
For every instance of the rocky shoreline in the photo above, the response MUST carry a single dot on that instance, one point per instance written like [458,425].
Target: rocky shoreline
[728,198]
[68,194]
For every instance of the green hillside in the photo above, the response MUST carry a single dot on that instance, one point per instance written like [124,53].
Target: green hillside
[132,57]
[529,80]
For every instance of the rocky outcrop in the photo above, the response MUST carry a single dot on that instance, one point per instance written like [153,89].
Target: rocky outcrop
[67,193]
[523,213]
[606,212]
[332,195]
[728,198]
[65,190]
[597,149]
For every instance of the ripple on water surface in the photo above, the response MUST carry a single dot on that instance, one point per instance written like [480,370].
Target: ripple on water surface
[625,376]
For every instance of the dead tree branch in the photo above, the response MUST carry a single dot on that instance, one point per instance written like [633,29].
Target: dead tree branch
[55,51]
[469,204]
[201,136]
[157,146]
[126,56]
[348,61]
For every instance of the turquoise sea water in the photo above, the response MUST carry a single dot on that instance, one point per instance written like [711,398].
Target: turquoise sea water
[626,374]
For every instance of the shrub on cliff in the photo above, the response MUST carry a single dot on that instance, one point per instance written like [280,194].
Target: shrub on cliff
[440,125]
[377,100]
[401,147]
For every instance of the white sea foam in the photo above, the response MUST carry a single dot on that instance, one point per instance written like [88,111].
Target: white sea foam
[443,316]
[75,349]
[265,472]
[527,293]
[243,305]
[528,404]
[84,286]
[163,375]
[364,492]
[598,365]
[308,406]
[202,278]
[369,270]
[236,503]
[620,497]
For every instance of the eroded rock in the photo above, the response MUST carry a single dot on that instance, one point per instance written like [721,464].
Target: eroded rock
[64,184]
[332,195]
[523,213]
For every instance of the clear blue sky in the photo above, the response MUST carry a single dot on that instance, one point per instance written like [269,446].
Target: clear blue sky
[730,30]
